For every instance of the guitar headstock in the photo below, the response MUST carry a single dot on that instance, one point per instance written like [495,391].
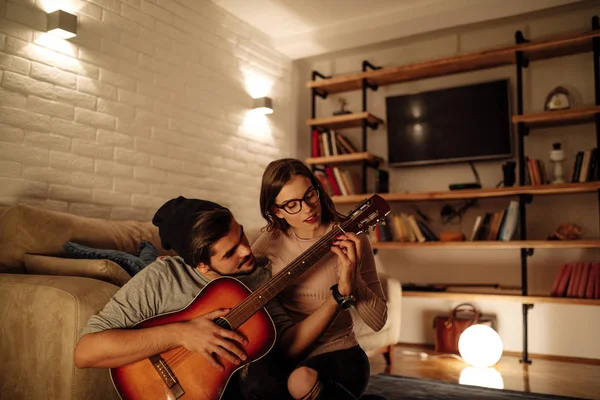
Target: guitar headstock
[366,214]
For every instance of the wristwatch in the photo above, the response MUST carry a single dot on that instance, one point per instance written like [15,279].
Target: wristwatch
[345,302]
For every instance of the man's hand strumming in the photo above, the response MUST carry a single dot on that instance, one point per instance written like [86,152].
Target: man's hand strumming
[202,335]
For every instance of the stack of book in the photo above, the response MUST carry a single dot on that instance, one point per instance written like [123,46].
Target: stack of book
[499,225]
[577,279]
[339,182]
[403,227]
[335,181]
[536,172]
[330,143]
[586,167]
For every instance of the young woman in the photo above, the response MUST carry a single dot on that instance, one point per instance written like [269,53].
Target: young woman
[319,358]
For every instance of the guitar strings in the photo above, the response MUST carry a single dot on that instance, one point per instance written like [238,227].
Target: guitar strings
[240,310]
[282,274]
[177,356]
[248,302]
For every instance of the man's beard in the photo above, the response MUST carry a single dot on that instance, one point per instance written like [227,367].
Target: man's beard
[244,261]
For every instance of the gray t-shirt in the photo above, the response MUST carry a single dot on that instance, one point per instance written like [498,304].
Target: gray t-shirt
[169,285]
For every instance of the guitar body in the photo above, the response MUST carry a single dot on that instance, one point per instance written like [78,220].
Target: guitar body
[182,374]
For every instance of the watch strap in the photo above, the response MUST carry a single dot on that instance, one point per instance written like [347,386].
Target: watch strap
[345,302]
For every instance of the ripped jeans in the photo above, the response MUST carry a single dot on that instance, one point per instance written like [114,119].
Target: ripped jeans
[344,374]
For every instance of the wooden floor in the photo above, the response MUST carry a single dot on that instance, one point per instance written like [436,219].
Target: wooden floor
[542,376]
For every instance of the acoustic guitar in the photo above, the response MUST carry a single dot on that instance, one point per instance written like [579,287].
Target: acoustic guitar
[182,374]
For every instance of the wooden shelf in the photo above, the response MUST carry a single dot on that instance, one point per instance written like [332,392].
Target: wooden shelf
[559,117]
[558,46]
[565,188]
[440,67]
[351,158]
[502,297]
[338,84]
[537,50]
[491,244]
[425,69]
[344,121]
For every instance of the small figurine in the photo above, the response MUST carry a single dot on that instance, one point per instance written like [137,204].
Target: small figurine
[557,156]
[566,231]
[342,111]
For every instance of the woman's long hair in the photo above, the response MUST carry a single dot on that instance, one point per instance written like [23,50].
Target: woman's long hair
[277,174]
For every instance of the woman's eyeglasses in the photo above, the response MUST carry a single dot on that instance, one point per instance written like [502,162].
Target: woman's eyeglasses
[294,206]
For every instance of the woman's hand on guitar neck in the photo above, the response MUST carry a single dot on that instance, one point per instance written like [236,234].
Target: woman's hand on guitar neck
[348,249]
[202,335]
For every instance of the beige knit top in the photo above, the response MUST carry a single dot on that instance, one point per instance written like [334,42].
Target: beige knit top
[312,288]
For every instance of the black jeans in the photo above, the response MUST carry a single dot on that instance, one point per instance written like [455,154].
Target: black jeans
[343,373]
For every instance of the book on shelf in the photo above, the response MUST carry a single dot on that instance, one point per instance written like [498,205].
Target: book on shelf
[586,166]
[536,172]
[330,143]
[339,182]
[577,280]
[499,225]
[403,227]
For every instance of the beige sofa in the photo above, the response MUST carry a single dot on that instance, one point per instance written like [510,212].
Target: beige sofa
[45,300]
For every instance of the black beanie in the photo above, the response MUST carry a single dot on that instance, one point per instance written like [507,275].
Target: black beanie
[175,221]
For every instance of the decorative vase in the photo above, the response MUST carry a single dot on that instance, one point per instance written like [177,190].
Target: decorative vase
[557,156]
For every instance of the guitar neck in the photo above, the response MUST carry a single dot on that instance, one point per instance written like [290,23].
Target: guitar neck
[267,291]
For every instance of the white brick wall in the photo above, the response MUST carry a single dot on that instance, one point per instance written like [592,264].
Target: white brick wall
[148,102]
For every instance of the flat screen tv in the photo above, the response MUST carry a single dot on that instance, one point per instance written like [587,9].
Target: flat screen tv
[459,124]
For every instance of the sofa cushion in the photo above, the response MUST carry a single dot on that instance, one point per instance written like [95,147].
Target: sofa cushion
[41,320]
[104,270]
[27,229]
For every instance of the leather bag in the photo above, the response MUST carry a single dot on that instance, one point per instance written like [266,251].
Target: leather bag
[447,329]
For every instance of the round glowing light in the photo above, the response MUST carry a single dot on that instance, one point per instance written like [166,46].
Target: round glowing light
[480,346]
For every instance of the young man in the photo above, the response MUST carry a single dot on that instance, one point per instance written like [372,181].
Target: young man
[210,243]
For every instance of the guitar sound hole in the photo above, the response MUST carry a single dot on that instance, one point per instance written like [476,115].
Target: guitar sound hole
[222,322]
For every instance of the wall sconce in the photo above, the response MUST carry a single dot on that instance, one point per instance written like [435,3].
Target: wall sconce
[263,105]
[62,24]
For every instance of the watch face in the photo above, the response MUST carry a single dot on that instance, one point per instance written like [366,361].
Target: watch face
[348,302]
[558,99]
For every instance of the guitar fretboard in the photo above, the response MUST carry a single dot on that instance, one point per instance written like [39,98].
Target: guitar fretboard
[267,291]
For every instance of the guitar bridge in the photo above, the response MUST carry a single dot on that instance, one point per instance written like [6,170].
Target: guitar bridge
[167,375]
